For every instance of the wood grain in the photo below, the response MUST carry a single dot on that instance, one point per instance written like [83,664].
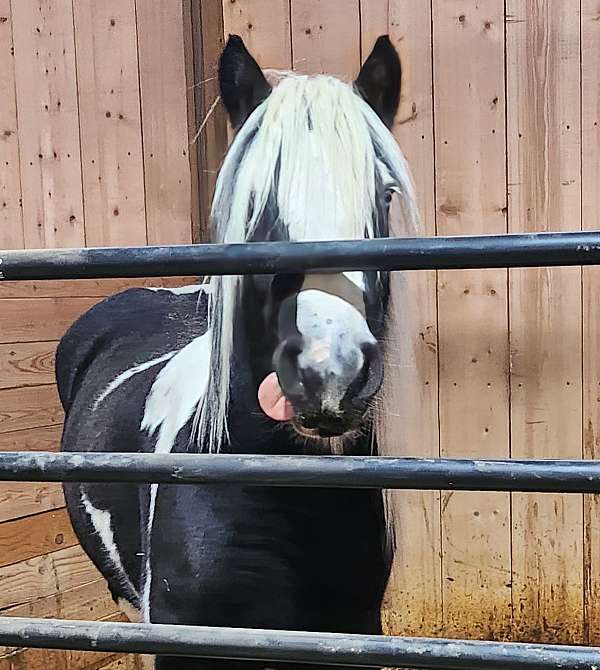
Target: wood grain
[91,601]
[212,142]
[33,407]
[39,319]
[124,663]
[192,41]
[53,659]
[84,288]
[544,163]
[72,568]
[11,216]
[45,438]
[111,127]
[413,603]
[40,577]
[48,119]
[160,30]
[34,536]
[473,325]
[590,172]
[44,577]
[326,37]
[73,63]
[21,499]
[264,25]
[377,18]
[27,364]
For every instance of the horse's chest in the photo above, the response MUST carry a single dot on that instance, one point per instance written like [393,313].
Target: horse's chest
[263,539]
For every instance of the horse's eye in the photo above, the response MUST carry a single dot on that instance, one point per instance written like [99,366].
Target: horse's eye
[388,197]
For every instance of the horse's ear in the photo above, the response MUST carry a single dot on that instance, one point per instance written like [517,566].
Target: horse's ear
[242,83]
[379,80]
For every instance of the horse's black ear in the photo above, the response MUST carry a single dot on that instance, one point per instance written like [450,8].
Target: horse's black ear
[243,85]
[379,80]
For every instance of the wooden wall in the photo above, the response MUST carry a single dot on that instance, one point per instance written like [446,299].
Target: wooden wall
[94,151]
[499,121]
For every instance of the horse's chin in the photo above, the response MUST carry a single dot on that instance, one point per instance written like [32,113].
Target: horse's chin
[315,433]
[316,442]
[324,435]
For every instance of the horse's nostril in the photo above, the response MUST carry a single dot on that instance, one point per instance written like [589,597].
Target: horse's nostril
[363,375]
[370,377]
[286,364]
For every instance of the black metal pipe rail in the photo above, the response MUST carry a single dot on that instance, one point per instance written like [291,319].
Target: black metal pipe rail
[487,251]
[305,471]
[294,647]
[550,249]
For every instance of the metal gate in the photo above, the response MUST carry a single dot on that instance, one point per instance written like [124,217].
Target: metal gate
[559,476]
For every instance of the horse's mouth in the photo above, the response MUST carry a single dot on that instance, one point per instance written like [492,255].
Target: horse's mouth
[276,406]
[315,433]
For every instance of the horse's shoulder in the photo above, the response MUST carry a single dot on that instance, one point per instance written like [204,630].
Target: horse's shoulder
[135,319]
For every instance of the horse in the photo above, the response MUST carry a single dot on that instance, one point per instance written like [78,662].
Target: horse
[281,364]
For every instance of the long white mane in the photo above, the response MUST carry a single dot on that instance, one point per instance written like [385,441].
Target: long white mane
[317,151]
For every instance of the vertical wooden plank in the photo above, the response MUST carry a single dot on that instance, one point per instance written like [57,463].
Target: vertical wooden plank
[590,172]
[160,28]
[544,162]
[48,120]
[414,598]
[111,142]
[473,342]
[326,37]
[211,134]
[264,25]
[265,28]
[376,19]
[189,45]
[11,217]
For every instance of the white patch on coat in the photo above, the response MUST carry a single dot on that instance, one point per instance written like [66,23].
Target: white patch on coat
[136,369]
[102,522]
[171,403]
[176,392]
[128,374]
[180,290]
[334,332]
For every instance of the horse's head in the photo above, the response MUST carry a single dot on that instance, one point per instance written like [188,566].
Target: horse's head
[313,159]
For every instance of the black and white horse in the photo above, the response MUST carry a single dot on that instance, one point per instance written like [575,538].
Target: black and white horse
[258,365]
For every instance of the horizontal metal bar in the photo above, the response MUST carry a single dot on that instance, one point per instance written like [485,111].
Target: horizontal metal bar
[305,471]
[292,647]
[488,251]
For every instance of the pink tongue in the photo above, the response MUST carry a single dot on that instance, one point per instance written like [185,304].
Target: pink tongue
[272,401]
